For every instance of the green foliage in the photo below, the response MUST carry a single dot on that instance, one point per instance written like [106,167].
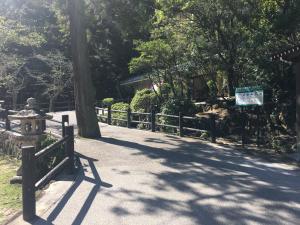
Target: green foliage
[111,35]
[212,88]
[120,106]
[52,159]
[20,34]
[119,115]
[108,102]
[143,101]
[173,107]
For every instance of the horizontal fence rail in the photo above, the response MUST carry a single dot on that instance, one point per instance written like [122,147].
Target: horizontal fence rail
[29,161]
[150,120]
[45,106]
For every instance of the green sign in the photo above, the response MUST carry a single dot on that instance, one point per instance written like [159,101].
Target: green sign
[247,96]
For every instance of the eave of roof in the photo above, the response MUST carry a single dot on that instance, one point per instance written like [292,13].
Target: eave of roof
[291,54]
[135,79]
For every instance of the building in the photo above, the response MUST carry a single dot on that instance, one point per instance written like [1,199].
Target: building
[198,86]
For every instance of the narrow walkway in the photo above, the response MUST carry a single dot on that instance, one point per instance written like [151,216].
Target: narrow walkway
[132,177]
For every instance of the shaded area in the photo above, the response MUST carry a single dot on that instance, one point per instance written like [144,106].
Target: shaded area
[238,188]
[84,208]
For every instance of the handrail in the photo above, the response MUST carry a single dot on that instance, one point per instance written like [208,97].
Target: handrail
[190,118]
[166,125]
[119,119]
[29,158]
[138,121]
[53,120]
[51,173]
[51,148]
[131,116]
[140,113]
[166,115]
[194,129]
[120,111]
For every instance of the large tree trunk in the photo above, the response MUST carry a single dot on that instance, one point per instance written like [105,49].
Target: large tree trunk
[83,87]
[231,80]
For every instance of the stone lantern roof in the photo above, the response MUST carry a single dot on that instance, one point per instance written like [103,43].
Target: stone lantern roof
[32,119]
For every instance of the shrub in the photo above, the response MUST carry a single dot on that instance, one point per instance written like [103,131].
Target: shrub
[212,88]
[52,159]
[173,107]
[119,115]
[143,101]
[107,102]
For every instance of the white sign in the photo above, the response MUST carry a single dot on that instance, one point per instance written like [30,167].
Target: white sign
[250,98]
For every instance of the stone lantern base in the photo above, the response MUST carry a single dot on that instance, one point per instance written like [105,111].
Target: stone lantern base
[15,141]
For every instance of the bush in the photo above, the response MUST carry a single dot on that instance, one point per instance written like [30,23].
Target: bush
[107,102]
[143,101]
[119,115]
[173,107]
[52,159]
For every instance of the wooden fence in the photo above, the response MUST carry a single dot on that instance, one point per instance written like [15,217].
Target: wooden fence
[181,125]
[29,161]
[57,107]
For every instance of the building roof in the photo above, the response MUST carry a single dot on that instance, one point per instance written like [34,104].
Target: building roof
[291,54]
[134,79]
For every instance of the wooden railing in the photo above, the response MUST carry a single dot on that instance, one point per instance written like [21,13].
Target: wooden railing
[29,160]
[4,113]
[181,126]
[58,106]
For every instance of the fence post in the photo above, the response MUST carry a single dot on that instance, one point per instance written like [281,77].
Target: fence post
[153,122]
[213,127]
[243,129]
[181,125]
[128,118]
[64,119]
[7,121]
[69,148]
[28,183]
[109,115]
[258,127]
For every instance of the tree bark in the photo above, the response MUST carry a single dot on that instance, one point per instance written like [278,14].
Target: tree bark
[231,82]
[83,87]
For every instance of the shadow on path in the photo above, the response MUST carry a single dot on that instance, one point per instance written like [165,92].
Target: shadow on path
[98,183]
[238,189]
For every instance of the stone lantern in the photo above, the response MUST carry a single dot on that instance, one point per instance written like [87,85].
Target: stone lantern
[33,121]
[33,125]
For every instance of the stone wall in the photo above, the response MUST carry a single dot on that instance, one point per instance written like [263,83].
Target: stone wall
[12,142]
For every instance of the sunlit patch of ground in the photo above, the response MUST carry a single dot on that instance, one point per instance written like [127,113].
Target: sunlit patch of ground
[10,195]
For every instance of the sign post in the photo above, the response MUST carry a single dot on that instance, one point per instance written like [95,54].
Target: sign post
[249,96]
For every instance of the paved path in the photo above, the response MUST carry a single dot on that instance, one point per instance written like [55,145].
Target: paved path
[133,177]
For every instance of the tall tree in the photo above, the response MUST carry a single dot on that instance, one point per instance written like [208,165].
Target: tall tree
[83,86]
